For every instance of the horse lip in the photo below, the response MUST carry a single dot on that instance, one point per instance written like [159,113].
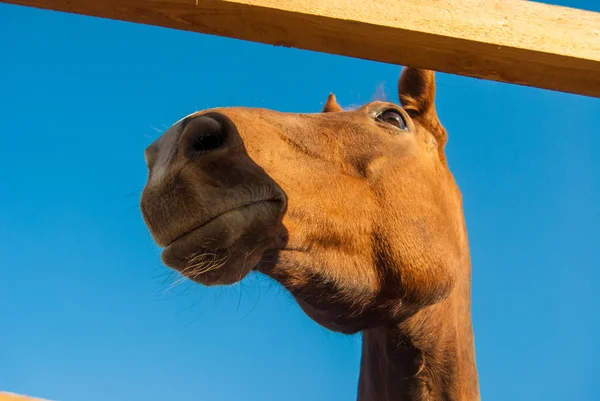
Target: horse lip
[207,221]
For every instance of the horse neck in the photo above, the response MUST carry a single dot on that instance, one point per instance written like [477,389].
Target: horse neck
[429,356]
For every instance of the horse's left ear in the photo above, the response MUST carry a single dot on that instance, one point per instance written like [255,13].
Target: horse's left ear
[331,106]
[416,90]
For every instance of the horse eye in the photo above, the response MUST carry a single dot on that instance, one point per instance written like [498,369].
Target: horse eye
[393,117]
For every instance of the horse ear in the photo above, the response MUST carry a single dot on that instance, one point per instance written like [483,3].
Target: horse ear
[416,90]
[331,105]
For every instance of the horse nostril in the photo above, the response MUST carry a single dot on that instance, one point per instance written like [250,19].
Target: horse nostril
[202,135]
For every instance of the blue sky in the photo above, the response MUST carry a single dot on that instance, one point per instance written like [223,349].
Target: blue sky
[87,309]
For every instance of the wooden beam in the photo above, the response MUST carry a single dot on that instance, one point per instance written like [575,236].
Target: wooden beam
[513,41]
[4,396]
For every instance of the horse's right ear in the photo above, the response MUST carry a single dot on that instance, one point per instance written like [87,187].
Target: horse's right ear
[416,90]
[331,105]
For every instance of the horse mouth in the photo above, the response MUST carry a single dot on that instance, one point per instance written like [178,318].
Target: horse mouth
[183,236]
[225,248]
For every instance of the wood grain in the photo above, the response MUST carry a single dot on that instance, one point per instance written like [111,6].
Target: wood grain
[515,41]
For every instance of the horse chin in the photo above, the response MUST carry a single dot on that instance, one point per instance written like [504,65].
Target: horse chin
[227,248]
[233,269]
